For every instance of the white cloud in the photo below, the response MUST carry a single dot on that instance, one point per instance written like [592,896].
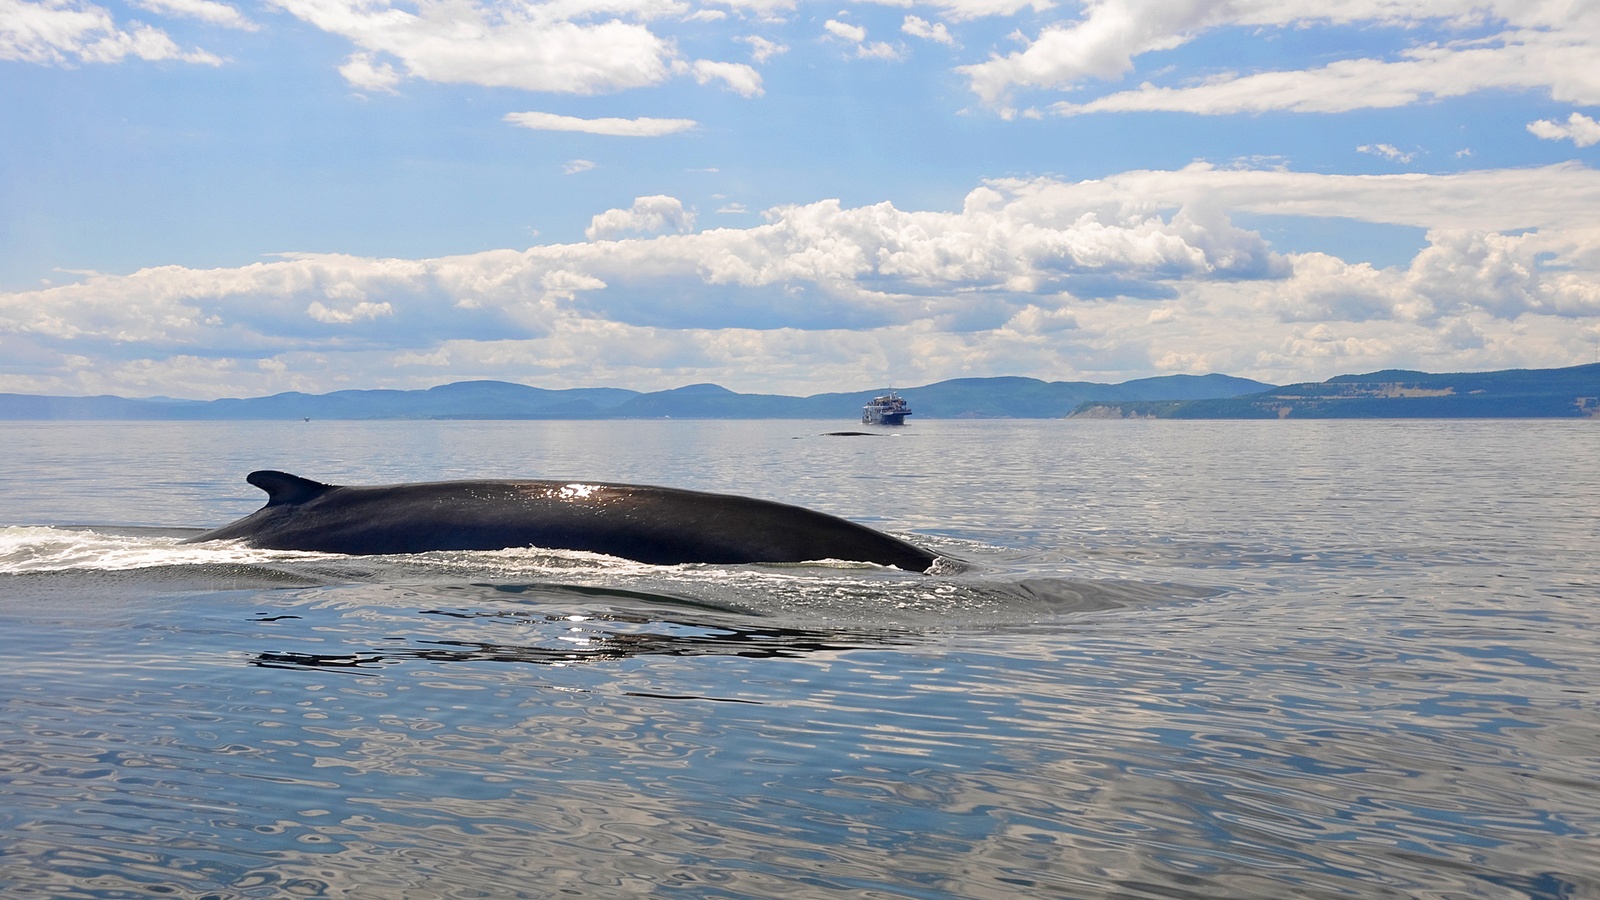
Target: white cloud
[1579,128]
[363,71]
[64,32]
[335,316]
[962,10]
[1559,197]
[950,10]
[878,50]
[844,31]
[916,26]
[1134,274]
[1427,73]
[1387,151]
[204,10]
[740,78]
[648,215]
[1543,46]
[573,167]
[641,127]
[1101,46]
[762,50]
[857,35]
[578,46]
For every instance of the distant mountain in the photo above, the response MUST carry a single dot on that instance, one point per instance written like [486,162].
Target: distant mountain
[1391,394]
[467,399]
[1020,398]
[961,398]
[1030,398]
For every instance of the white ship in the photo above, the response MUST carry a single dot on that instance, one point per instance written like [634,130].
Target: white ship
[888,409]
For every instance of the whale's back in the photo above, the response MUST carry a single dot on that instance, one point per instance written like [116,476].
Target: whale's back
[657,525]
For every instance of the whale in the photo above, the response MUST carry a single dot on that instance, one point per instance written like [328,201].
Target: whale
[655,525]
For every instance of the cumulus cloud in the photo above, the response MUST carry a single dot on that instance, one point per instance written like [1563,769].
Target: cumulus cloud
[857,35]
[1543,45]
[807,265]
[641,127]
[647,215]
[844,31]
[354,313]
[363,70]
[740,78]
[1100,46]
[1579,129]
[762,50]
[66,32]
[1138,273]
[580,47]
[1506,276]
[916,26]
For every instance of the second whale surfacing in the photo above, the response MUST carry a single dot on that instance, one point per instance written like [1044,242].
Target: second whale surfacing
[656,525]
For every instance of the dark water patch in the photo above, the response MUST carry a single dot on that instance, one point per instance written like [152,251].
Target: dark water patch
[656,696]
[557,624]
[574,640]
[291,660]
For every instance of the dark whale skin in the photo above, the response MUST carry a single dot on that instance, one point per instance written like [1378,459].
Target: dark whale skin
[656,525]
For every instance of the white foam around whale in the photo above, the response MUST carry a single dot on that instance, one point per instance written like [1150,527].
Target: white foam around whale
[41,548]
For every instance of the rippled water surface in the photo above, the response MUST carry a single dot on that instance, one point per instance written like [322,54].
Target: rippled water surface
[1177,659]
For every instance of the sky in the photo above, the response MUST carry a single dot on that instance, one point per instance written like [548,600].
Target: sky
[204,199]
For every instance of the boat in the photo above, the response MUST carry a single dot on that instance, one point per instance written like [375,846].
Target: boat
[886,409]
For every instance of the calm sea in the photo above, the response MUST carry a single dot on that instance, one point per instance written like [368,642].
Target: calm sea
[1183,659]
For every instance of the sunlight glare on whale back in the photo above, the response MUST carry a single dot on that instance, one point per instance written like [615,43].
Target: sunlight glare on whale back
[576,491]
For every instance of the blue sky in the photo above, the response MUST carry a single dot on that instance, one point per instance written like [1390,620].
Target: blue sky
[206,199]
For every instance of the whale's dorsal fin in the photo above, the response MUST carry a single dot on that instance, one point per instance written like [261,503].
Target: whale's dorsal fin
[283,489]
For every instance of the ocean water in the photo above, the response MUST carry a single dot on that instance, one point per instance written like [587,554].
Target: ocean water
[1175,659]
